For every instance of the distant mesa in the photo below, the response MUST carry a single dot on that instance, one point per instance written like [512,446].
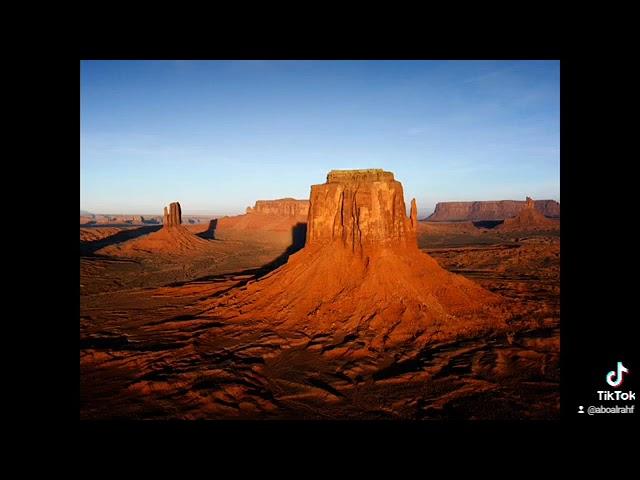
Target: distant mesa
[289,207]
[489,210]
[279,215]
[98,219]
[361,272]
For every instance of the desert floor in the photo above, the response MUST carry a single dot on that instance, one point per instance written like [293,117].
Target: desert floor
[148,352]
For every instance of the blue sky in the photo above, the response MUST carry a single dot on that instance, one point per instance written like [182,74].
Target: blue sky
[218,135]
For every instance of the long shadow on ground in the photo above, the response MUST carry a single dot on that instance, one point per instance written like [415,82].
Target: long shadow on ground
[88,249]
[298,239]
[210,232]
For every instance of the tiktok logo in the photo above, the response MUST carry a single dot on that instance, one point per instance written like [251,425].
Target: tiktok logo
[617,374]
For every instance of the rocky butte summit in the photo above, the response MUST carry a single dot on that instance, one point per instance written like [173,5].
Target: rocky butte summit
[360,273]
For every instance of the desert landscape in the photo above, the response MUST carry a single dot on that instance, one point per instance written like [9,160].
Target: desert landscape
[343,305]
[320,240]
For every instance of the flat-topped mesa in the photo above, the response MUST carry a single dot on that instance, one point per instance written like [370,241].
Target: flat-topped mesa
[490,210]
[360,209]
[287,207]
[173,216]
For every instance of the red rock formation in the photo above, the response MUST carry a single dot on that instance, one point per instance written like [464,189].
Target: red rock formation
[489,210]
[112,219]
[414,214]
[529,203]
[289,207]
[269,215]
[173,238]
[529,219]
[172,217]
[361,209]
[360,273]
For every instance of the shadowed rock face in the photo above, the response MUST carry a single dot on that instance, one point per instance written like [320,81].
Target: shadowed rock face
[172,217]
[360,209]
[288,207]
[489,210]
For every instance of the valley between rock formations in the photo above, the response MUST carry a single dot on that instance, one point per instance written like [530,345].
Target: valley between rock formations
[346,308]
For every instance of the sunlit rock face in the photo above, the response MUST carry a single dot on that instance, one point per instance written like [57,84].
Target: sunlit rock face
[286,207]
[489,210]
[360,273]
[173,216]
[360,209]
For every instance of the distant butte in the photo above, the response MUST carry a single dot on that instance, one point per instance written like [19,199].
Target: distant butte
[529,219]
[360,273]
[173,238]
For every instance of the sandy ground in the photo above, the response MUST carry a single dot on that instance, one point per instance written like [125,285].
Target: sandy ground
[150,349]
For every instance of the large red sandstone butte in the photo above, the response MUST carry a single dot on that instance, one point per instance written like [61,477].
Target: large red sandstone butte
[172,217]
[360,273]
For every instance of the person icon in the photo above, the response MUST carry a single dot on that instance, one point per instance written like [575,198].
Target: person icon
[580,409]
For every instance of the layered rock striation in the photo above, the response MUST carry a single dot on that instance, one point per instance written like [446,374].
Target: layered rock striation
[529,219]
[172,216]
[363,209]
[489,210]
[280,215]
[360,273]
[289,207]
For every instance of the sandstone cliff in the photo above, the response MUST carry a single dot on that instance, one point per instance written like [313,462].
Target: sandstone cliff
[173,238]
[289,207]
[268,215]
[114,219]
[360,273]
[363,209]
[489,210]
[173,216]
[529,219]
